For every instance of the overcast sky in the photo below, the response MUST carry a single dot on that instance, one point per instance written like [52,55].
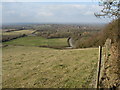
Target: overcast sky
[54,11]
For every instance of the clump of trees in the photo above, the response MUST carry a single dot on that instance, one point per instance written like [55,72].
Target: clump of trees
[93,40]
[111,9]
[111,31]
[53,34]
[99,38]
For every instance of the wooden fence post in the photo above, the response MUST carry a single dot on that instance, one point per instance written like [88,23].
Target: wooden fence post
[99,67]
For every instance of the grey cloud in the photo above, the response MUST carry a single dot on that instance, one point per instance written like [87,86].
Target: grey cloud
[37,12]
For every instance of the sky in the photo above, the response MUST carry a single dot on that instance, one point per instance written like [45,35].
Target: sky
[50,11]
[49,0]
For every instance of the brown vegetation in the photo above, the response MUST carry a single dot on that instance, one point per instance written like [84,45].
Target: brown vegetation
[111,76]
[99,38]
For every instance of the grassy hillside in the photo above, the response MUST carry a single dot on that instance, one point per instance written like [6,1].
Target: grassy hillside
[38,41]
[35,67]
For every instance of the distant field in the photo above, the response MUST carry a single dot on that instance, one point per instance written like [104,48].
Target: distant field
[38,41]
[35,67]
[18,32]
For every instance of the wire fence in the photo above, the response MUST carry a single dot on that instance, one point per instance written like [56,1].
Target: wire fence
[104,53]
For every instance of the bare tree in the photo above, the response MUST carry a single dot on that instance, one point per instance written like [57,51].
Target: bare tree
[111,9]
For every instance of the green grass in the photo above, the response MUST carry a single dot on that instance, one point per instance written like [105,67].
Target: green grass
[35,67]
[38,41]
